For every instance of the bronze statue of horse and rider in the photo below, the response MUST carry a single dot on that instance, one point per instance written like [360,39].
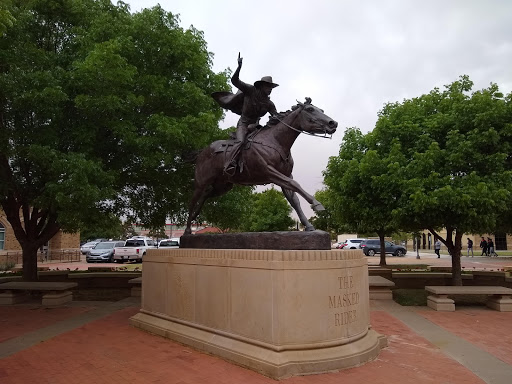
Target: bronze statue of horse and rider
[258,155]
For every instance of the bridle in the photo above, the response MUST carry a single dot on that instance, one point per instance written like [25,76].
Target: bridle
[324,136]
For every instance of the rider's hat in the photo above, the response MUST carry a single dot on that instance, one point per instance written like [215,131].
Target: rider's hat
[266,80]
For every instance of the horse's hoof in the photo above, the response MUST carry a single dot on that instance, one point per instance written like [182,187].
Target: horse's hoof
[309,228]
[188,231]
[317,207]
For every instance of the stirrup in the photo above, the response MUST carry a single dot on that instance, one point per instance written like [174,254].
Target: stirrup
[230,169]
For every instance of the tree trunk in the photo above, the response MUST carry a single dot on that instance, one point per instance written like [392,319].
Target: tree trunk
[382,250]
[454,248]
[29,263]
[455,251]
[32,228]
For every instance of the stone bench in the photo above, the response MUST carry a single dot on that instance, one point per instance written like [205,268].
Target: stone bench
[380,288]
[136,290]
[499,297]
[55,293]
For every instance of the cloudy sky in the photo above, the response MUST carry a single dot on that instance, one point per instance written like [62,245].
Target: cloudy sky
[351,57]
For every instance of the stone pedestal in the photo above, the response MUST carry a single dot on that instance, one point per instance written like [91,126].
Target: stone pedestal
[57,298]
[9,297]
[136,291]
[441,303]
[280,313]
[380,288]
[500,303]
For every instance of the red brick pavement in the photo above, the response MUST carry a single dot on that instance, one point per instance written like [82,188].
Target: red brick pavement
[16,321]
[488,330]
[110,351]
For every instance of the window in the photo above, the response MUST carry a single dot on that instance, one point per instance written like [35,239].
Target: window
[134,243]
[169,243]
[2,236]
[500,241]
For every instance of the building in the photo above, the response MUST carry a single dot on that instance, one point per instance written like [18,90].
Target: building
[61,241]
[170,230]
[502,241]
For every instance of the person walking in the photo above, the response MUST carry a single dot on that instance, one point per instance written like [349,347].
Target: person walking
[490,247]
[437,248]
[470,247]
[483,245]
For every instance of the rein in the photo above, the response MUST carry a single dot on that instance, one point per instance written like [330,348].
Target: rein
[306,133]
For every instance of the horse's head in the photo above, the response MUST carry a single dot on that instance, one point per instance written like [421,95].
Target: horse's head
[314,120]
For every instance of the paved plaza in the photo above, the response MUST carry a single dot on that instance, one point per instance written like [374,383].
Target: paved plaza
[92,342]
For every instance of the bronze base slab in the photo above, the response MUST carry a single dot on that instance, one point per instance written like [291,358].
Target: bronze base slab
[285,240]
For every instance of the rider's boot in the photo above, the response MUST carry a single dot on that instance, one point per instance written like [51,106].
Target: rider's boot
[230,166]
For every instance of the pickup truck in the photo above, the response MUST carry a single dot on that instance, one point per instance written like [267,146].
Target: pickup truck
[134,249]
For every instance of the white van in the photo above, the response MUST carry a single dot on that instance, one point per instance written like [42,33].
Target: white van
[169,243]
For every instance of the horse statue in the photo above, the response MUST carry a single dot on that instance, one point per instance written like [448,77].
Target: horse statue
[266,158]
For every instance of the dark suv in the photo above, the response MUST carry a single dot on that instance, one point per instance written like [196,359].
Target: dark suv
[371,247]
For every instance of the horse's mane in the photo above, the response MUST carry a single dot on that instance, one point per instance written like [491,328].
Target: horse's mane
[281,115]
[273,120]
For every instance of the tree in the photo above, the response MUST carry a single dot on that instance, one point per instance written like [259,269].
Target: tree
[269,212]
[107,226]
[6,19]
[96,107]
[457,172]
[323,220]
[157,233]
[128,230]
[229,211]
[363,187]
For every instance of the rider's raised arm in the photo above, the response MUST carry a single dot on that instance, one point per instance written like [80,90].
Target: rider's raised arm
[235,80]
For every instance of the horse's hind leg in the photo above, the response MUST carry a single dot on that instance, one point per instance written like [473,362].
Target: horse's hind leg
[196,203]
[294,202]
[198,199]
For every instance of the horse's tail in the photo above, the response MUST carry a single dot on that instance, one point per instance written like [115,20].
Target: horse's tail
[190,156]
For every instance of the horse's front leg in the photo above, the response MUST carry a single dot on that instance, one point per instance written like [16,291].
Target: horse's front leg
[294,202]
[285,182]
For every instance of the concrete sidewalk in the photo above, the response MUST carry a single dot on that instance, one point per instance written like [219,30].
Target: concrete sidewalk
[91,342]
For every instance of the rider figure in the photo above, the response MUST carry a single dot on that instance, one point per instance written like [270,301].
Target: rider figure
[256,103]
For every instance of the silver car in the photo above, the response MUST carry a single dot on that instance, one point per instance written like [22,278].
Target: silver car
[88,246]
[103,251]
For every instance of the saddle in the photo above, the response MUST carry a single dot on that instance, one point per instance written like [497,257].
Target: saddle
[226,145]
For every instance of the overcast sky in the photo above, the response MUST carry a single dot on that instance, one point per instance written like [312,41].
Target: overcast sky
[351,57]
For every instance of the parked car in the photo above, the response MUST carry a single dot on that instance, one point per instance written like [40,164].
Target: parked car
[336,245]
[169,243]
[88,246]
[371,247]
[134,249]
[103,251]
[351,244]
